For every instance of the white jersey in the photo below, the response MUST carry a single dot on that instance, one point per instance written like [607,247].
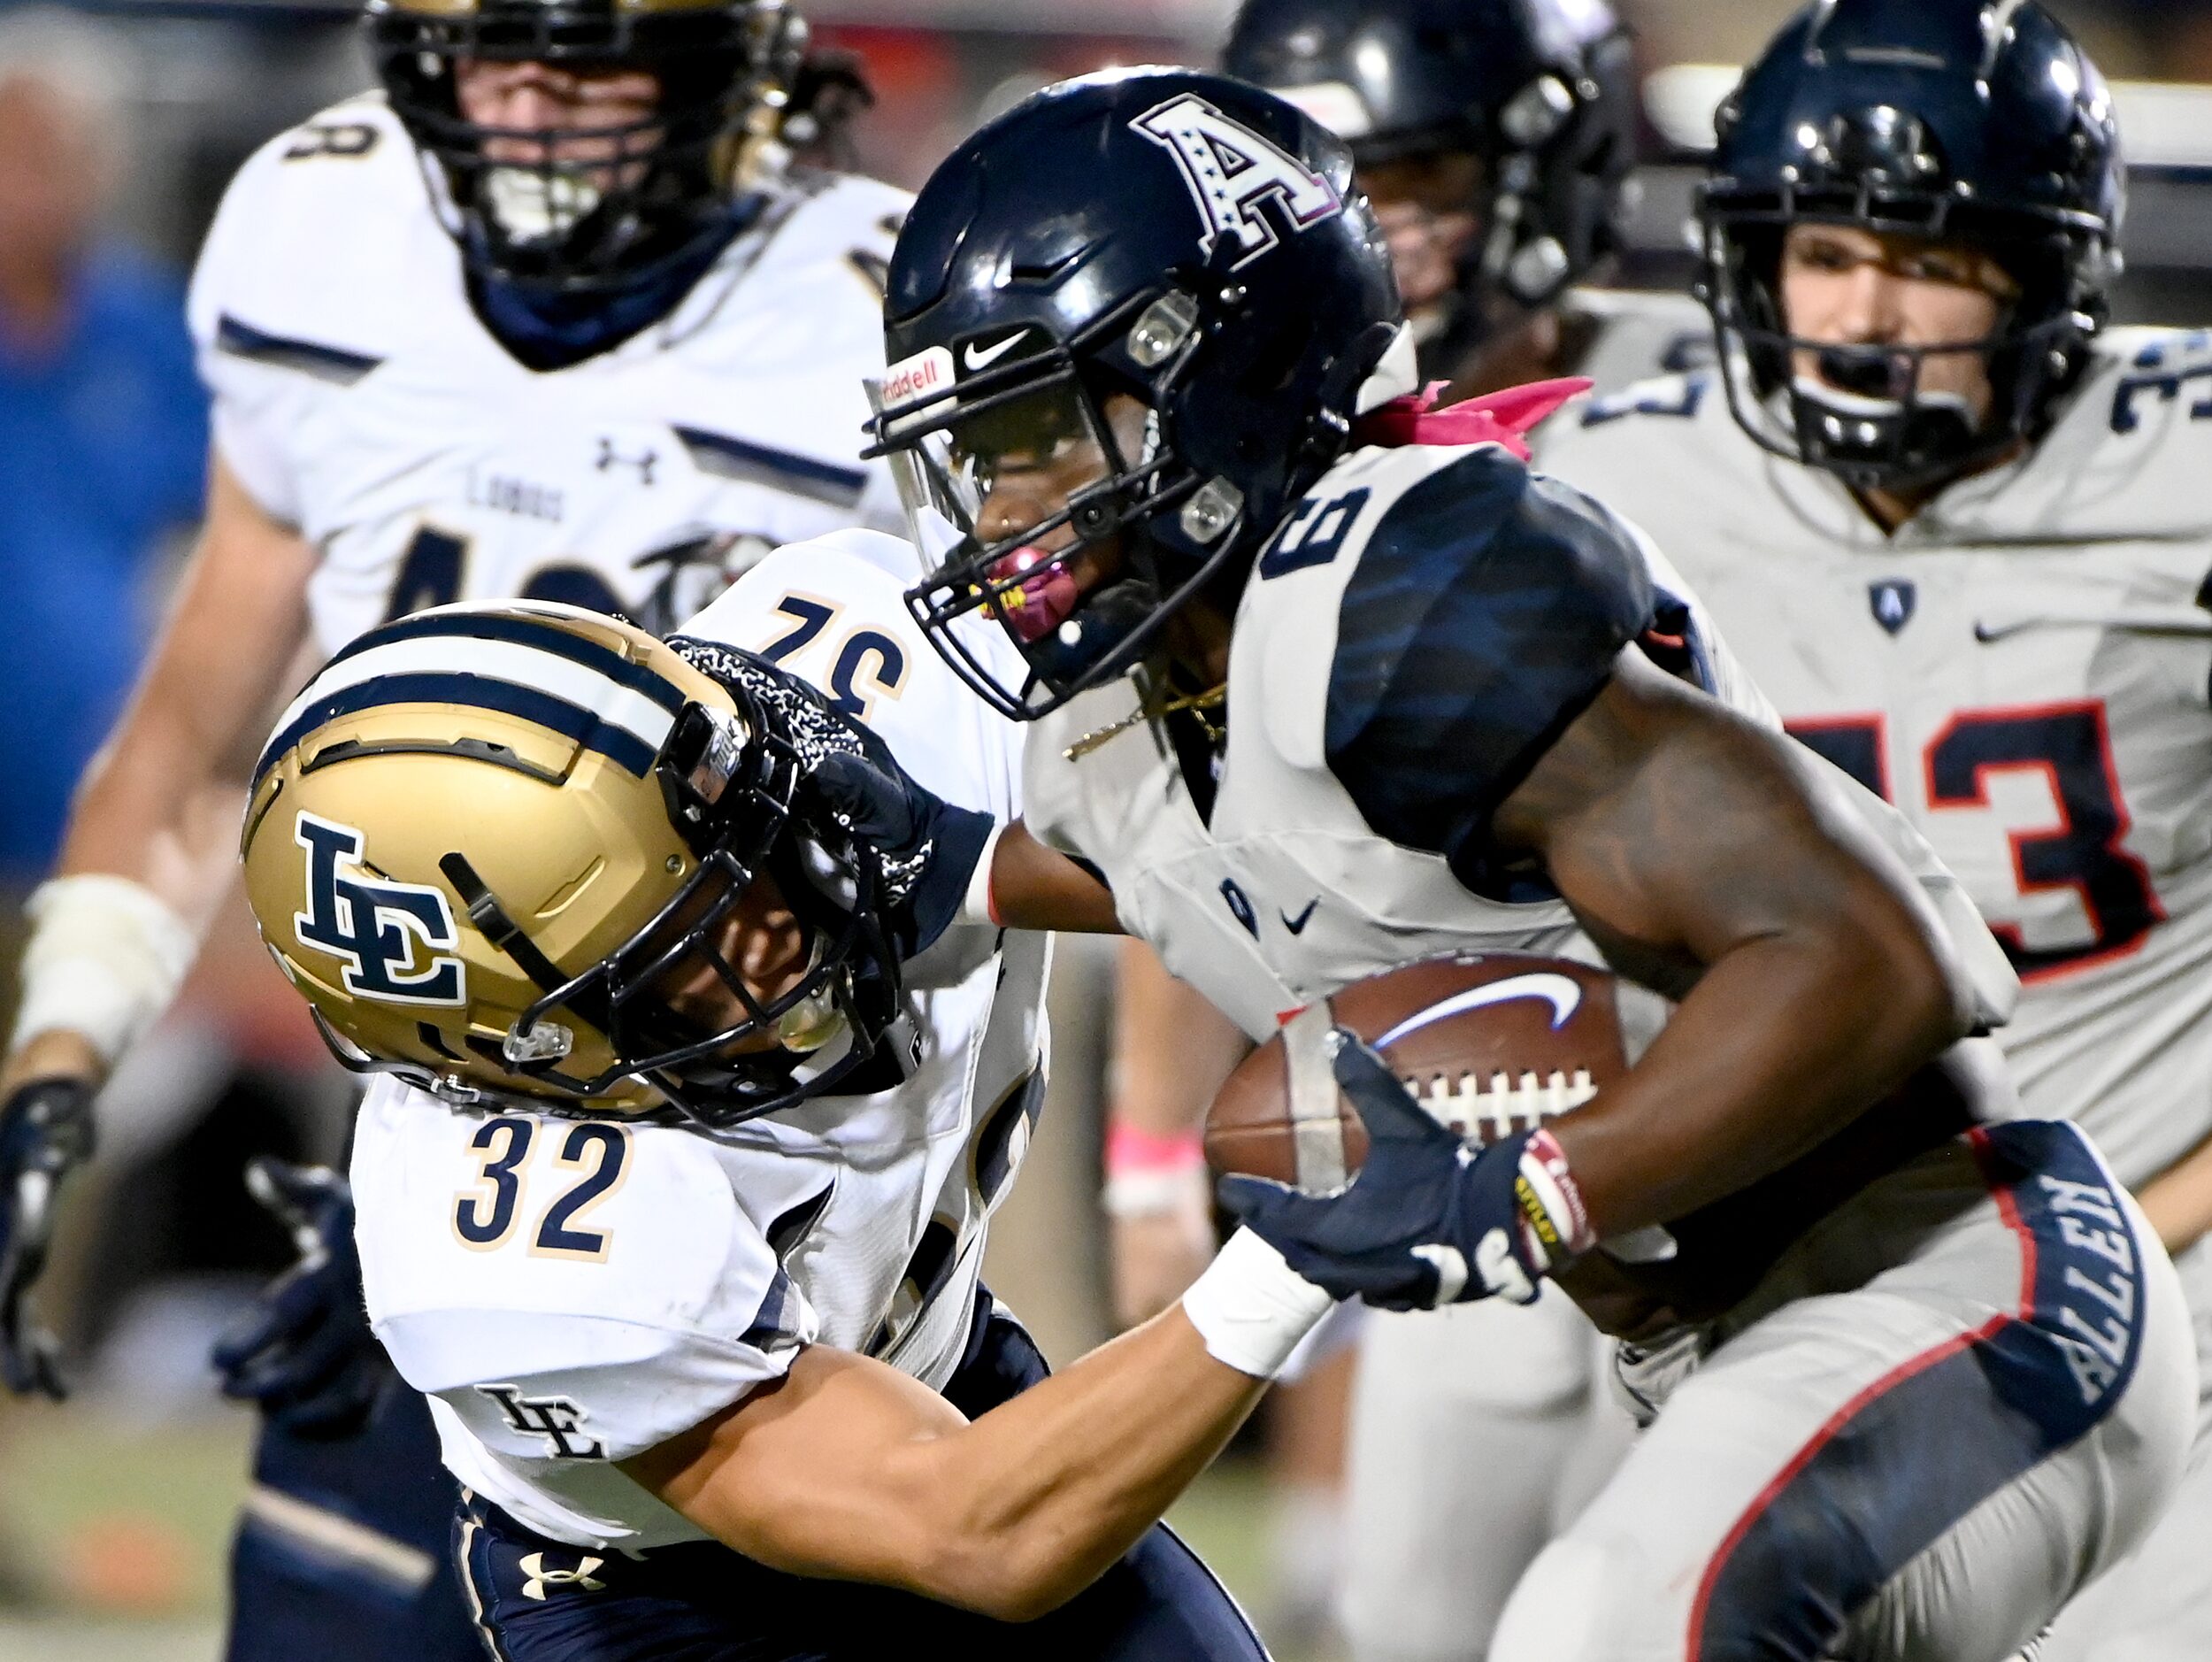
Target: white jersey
[569,1293]
[2022,669]
[359,397]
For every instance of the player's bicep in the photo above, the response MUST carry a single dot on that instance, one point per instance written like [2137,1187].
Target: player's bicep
[1679,830]
[823,1474]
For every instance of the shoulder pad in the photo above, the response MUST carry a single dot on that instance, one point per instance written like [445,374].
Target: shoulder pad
[1485,615]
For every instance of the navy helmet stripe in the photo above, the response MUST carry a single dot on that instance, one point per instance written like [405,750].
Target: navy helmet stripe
[309,358]
[571,721]
[523,630]
[1917,1451]
[741,459]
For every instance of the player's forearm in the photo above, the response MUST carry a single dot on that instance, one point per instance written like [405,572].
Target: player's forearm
[1033,886]
[1782,1044]
[1031,1502]
[848,1470]
[151,845]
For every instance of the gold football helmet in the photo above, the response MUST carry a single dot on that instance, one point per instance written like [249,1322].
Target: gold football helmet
[486,840]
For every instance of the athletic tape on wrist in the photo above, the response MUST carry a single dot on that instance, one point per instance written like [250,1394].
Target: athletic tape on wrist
[977,908]
[1555,1223]
[105,958]
[1251,1308]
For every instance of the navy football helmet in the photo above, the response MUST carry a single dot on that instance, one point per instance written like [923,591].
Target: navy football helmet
[1542,91]
[1948,120]
[727,70]
[1159,277]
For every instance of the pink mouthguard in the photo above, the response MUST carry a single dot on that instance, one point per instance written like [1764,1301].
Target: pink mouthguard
[1043,602]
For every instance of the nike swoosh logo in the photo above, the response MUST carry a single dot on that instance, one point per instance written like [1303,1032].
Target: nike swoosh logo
[1297,925]
[1562,995]
[982,358]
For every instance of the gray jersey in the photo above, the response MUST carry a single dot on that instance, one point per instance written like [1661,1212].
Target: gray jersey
[2022,669]
[1413,638]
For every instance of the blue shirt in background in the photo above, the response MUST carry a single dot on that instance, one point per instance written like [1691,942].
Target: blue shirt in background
[103,451]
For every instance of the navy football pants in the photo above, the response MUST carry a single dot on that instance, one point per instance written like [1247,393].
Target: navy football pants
[342,1552]
[543,1601]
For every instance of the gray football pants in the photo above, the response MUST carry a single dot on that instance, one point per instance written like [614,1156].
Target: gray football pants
[1959,1399]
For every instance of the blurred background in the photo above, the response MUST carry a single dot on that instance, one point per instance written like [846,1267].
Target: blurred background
[114,1511]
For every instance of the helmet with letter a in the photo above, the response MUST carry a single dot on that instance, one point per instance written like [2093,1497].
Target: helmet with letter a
[1538,95]
[591,208]
[1977,124]
[501,848]
[1160,288]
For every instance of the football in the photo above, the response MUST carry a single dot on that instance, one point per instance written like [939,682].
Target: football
[1492,1043]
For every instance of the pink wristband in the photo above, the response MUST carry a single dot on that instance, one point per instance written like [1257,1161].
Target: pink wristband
[1131,1151]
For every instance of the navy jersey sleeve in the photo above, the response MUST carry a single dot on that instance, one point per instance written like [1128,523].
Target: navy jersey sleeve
[1484,617]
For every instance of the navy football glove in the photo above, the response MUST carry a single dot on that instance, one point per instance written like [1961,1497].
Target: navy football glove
[304,1352]
[1429,1219]
[45,1133]
[883,806]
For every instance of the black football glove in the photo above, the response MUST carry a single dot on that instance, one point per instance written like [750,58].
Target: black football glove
[45,1133]
[883,806]
[304,1352]
[1428,1221]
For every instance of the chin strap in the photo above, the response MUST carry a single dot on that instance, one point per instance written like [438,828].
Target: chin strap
[1504,418]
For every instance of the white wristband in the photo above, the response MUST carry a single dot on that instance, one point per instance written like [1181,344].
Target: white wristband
[977,907]
[1251,1308]
[107,956]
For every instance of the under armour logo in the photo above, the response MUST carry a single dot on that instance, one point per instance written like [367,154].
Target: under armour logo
[389,935]
[537,1578]
[1893,600]
[611,459]
[555,1419]
[1230,171]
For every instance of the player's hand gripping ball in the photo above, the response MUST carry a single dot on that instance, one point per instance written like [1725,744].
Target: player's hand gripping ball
[1390,1140]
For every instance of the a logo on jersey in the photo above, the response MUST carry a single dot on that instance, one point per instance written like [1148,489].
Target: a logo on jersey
[611,458]
[1560,992]
[1240,907]
[1894,600]
[392,938]
[557,1418]
[1230,171]
[537,1578]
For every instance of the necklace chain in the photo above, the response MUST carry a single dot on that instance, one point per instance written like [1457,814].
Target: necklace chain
[1196,703]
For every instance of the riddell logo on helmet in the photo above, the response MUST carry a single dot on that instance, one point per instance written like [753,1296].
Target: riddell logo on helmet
[1230,171]
[917,377]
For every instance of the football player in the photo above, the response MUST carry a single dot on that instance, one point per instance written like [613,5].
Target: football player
[1495,139]
[544,317]
[703,1053]
[1953,525]
[1326,679]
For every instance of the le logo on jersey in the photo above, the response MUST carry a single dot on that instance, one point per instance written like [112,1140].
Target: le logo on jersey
[558,1420]
[390,938]
[1230,171]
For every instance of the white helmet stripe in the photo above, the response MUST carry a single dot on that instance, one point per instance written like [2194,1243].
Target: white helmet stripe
[518,665]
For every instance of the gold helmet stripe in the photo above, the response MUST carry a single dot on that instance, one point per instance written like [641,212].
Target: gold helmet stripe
[580,700]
